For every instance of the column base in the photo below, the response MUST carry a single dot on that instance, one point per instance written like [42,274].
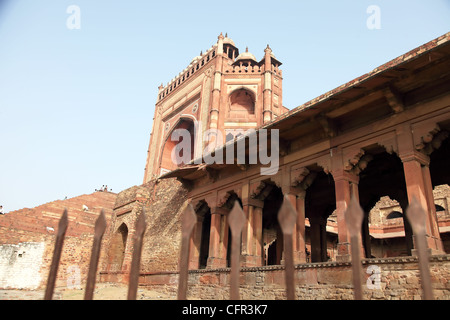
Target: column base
[251,261]
[343,252]
[431,252]
[215,263]
[299,257]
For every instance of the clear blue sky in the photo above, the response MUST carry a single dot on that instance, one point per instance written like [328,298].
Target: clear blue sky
[76,106]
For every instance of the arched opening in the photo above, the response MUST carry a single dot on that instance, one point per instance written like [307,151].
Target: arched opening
[179,146]
[384,178]
[271,231]
[440,178]
[241,104]
[204,216]
[117,248]
[320,203]
[394,215]
[270,240]
[233,197]
[439,160]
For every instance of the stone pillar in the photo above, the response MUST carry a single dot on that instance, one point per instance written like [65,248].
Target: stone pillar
[418,185]
[433,221]
[267,91]
[299,241]
[257,235]
[346,187]
[195,244]
[252,233]
[296,196]
[342,189]
[217,240]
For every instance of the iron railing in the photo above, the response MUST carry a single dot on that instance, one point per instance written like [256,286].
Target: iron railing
[287,216]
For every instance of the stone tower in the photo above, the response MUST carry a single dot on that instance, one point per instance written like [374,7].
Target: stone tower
[220,89]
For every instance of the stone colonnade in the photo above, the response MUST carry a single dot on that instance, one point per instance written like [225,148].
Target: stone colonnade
[344,163]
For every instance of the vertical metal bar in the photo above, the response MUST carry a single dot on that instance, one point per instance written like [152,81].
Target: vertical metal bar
[354,216]
[136,261]
[356,267]
[417,218]
[189,218]
[59,241]
[287,217]
[100,227]
[236,221]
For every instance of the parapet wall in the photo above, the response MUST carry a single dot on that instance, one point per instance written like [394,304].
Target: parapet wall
[384,279]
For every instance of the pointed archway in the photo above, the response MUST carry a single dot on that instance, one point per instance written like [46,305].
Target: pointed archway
[179,146]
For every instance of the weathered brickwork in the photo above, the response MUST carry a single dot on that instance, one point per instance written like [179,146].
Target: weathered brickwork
[163,202]
[31,233]
[384,279]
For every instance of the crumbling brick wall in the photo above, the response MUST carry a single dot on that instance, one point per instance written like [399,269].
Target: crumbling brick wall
[163,202]
[33,232]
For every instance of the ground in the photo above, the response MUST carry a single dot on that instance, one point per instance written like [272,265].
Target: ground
[103,291]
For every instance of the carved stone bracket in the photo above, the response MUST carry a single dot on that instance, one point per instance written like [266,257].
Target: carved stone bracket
[431,141]
[328,126]
[358,162]
[298,175]
[256,188]
[325,163]
[394,99]
[302,178]
[222,198]
[389,144]
[211,173]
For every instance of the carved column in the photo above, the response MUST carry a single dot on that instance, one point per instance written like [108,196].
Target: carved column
[419,186]
[299,241]
[195,244]
[296,196]
[252,239]
[218,239]
[300,179]
[346,187]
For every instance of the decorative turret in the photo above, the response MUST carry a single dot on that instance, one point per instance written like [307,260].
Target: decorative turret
[225,91]
[246,58]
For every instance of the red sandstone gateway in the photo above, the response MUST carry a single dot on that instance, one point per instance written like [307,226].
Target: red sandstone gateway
[381,139]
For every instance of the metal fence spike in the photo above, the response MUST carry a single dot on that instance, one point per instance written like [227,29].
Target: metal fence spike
[99,230]
[189,219]
[287,217]
[59,241]
[417,218]
[136,260]
[354,216]
[236,221]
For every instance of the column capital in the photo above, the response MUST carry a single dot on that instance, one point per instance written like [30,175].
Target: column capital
[220,211]
[253,202]
[345,175]
[297,191]
[414,155]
